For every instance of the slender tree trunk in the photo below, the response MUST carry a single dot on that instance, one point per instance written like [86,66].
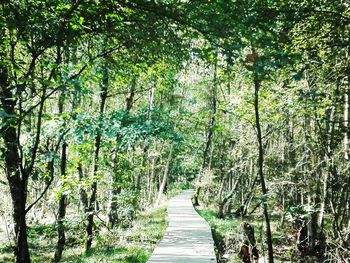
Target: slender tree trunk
[224,201]
[165,175]
[257,84]
[347,111]
[62,204]
[143,168]
[112,210]
[92,201]
[116,189]
[82,193]
[131,95]
[208,144]
[151,176]
[347,135]
[151,97]
[61,210]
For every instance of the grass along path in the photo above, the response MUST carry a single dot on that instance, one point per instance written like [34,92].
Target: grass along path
[133,245]
[228,237]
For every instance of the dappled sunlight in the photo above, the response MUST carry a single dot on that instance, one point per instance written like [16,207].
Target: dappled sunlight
[188,237]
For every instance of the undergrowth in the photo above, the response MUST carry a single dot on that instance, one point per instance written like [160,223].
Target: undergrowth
[132,245]
[228,237]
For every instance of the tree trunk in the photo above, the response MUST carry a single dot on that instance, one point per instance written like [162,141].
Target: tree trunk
[19,215]
[18,189]
[347,135]
[61,210]
[346,114]
[131,95]
[143,168]
[151,175]
[208,144]
[165,175]
[91,204]
[92,201]
[223,202]
[62,201]
[249,251]
[257,83]
[16,176]
[82,192]
[112,210]
[115,191]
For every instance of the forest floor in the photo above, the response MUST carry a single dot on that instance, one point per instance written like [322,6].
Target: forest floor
[130,245]
[228,237]
[188,237]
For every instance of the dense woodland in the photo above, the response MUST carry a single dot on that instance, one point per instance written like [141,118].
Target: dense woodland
[107,106]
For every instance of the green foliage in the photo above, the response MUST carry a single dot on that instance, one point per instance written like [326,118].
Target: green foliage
[172,73]
[44,231]
[295,213]
[124,128]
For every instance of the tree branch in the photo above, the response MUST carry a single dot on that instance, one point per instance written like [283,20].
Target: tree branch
[51,176]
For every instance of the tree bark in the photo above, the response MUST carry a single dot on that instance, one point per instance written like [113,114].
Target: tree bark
[62,204]
[143,168]
[16,175]
[61,210]
[208,144]
[92,201]
[82,193]
[257,84]
[227,197]
[130,98]
[151,175]
[165,175]
[116,189]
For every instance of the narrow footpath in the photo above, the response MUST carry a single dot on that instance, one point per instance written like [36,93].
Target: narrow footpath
[188,238]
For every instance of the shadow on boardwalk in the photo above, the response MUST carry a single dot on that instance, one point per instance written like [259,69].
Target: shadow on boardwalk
[188,238]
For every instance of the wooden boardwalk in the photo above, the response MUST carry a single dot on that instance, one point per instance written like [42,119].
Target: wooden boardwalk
[188,238]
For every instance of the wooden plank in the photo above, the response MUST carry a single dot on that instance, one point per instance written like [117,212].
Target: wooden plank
[188,238]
